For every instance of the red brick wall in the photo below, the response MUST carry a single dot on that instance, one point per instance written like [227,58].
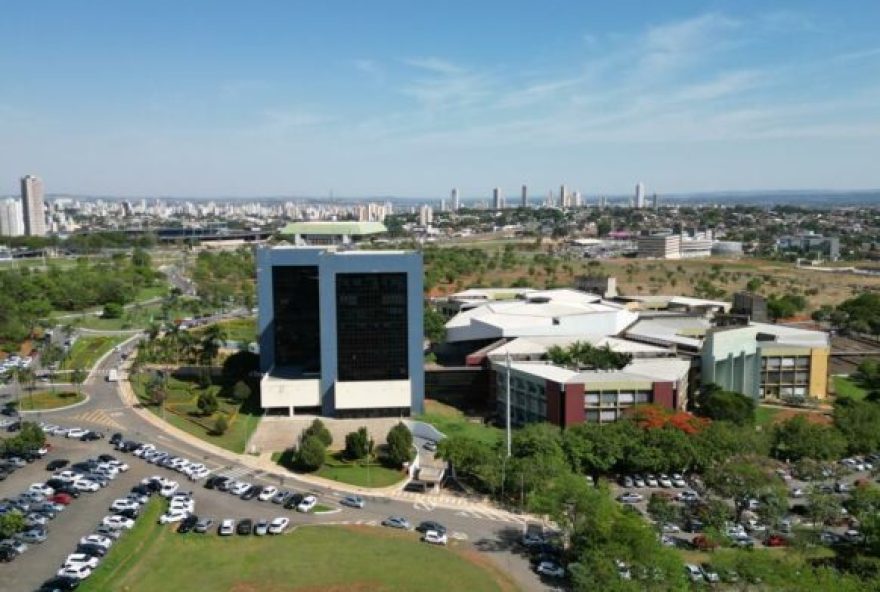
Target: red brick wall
[664,394]
[574,405]
[553,394]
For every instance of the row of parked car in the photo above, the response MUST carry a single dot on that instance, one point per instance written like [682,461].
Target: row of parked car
[13,461]
[649,480]
[72,433]
[268,493]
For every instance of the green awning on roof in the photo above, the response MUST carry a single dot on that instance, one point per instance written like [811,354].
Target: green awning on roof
[334,228]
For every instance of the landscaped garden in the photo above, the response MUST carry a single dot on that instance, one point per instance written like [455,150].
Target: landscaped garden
[240,330]
[453,422]
[88,350]
[850,387]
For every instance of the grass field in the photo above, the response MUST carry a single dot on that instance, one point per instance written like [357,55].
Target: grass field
[182,412]
[358,474]
[764,415]
[242,330]
[48,400]
[848,387]
[453,422]
[153,558]
[86,351]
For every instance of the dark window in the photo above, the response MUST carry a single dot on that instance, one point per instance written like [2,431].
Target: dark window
[371,326]
[297,320]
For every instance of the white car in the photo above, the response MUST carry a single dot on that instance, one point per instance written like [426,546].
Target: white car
[630,498]
[200,473]
[121,505]
[227,527]
[688,496]
[173,515]
[76,559]
[267,493]
[670,527]
[188,507]
[678,480]
[352,501]
[169,489]
[278,525]
[157,478]
[80,572]
[651,481]
[308,503]
[693,572]
[798,492]
[435,538]
[42,489]
[665,481]
[550,569]
[68,476]
[144,449]
[76,433]
[86,485]
[755,527]
[239,488]
[96,539]
[118,465]
[117,522]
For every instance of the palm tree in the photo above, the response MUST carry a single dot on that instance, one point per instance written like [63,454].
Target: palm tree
[213,338]
[77,378]
[26,378]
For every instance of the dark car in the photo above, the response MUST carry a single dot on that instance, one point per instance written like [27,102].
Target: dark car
[142,490]
[91,549]
[60,584]
[293,501]
[106,457]
[66,489]
[187,524]
[91,436]
[223,484]
[129,513]
[212,481]
[55,483]
[7,554]
[130,446]
[251,492]
[3,475]
[431,525]
[13,427]
[9,410]
[115,439]
[244,526]
[58,463]
[416,487]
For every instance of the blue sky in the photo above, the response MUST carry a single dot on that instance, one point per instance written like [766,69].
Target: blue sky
[221,98]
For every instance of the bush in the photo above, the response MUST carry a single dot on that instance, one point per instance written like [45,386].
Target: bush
[400,445]
[207,403]
[319,430]
[221,425]
[241,392]
[311,453]
[357,444]
[112,310]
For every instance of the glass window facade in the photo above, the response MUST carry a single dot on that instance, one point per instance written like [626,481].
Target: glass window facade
[784,376]
[528,400]
[608,405]
[297,319]
[371,326]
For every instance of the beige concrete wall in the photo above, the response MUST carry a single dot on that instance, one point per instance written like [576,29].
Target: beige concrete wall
[819,372]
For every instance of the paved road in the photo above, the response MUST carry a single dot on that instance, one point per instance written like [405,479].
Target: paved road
[492,532]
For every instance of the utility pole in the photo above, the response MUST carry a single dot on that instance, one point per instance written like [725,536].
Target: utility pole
[507,407]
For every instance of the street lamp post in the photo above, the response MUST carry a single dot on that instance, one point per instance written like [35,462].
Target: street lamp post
[507,406]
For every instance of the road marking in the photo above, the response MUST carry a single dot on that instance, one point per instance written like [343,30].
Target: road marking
[424,506]
[459,536]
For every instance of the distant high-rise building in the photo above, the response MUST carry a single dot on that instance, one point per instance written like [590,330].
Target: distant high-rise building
[456,203]
[563,196]
[426,215]
[33,211]
[576,199]
[656,202]
[603,202]
[640,196]
[442,204]
[11,222]
[497,199]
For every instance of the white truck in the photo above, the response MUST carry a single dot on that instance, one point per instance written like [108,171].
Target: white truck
[113,375]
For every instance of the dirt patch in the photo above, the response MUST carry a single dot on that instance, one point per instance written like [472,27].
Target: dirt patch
[819,417]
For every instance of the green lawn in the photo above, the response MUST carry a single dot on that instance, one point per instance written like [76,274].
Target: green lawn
[86,351]
[764,415]
[48,400]
[452,422]
[153,558]
[182,412]
[242,330]
[374,475]
[848,387]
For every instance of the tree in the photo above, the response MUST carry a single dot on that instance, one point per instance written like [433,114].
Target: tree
[207,403]
[596,449]
[723,405]
[212,339]
[241,392]
[319,430]
[11,523]
[434,325]
[78,377]
[311,453]
[31,435]
[822,508]
[156,391]
[662,510]
[859,423]
[742,478]
[113,310]
[221,424]
[797,438]
[400,445]
[357,444]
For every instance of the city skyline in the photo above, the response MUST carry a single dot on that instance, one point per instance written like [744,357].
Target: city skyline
[400,100]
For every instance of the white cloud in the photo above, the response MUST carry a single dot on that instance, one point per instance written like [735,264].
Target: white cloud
[434,65]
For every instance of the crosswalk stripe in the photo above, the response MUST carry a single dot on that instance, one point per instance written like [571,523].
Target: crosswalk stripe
[100,417]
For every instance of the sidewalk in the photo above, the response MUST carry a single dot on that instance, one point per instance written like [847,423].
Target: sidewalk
[264,463]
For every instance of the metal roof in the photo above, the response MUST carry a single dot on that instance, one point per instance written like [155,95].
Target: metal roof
[334,228]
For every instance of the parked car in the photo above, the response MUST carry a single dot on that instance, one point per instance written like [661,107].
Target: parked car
[693,572]
[678,480]
[203,525]
[550,569]
[58,463]
[709,574]
[261,527]
[78,572]
[278,525]
[281,497]
[630,498]
[227,527]
[435,538]
[244,526]
[308,504]
[252,492]
[776,540]
[187,524]
[117,521]
[431,525]
[268,493]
